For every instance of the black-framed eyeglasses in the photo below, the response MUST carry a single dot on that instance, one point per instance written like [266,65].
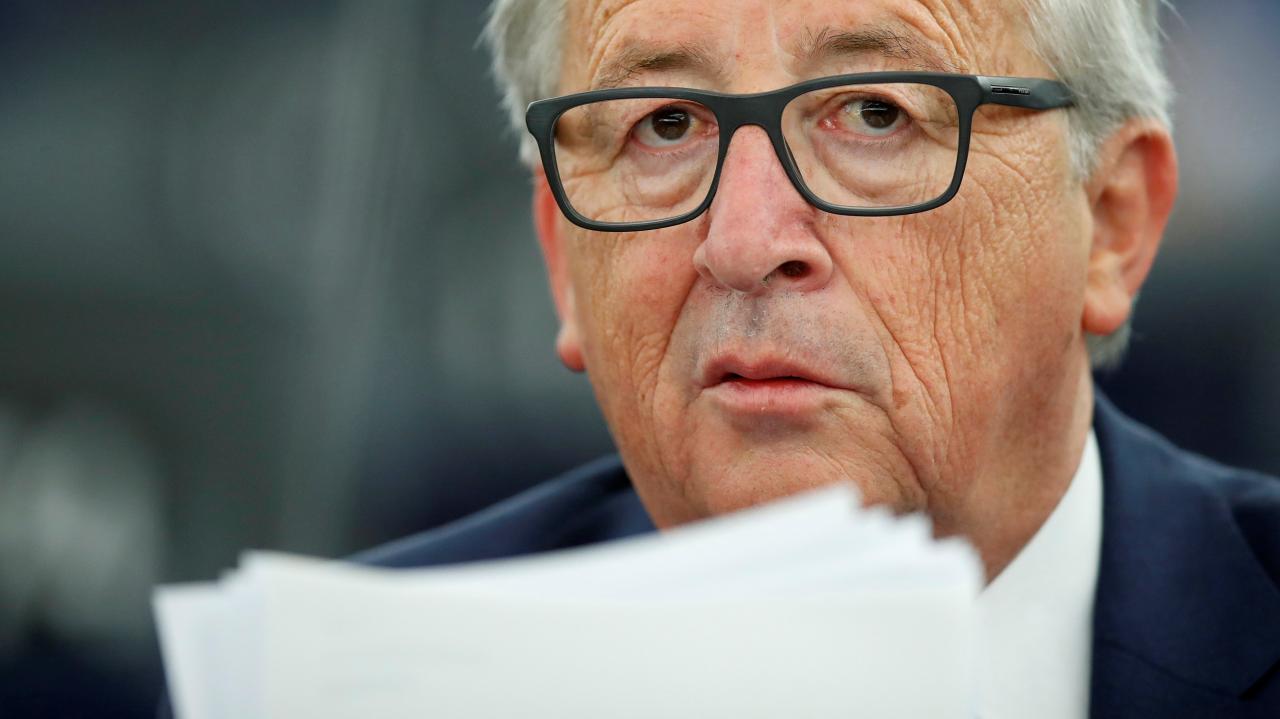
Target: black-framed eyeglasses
[870,144]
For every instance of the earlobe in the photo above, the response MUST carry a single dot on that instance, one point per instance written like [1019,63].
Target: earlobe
[569,346]
[547,223]
[1131,195]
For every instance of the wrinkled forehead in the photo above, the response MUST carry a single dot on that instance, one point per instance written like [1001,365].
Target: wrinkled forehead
[729,44]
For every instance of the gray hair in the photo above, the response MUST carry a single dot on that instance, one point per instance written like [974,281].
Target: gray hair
[1107,51]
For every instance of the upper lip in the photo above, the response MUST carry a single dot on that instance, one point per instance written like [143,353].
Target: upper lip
[725,367]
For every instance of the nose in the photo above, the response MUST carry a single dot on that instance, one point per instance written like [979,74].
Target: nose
[761,231]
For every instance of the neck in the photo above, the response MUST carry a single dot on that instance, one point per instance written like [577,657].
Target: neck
[1032,463]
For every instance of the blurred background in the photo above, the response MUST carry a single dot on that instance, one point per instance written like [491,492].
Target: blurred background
[268,279]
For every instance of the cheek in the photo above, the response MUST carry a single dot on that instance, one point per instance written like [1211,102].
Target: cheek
[1004,256]
[629,293]
[1034,244]
[975,298]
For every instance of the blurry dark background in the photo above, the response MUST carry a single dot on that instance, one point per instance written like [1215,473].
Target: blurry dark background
[267,279]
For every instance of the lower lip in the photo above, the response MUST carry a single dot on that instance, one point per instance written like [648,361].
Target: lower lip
[771,397]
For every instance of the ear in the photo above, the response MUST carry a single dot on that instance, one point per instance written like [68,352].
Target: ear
[1131,194]
[548,223]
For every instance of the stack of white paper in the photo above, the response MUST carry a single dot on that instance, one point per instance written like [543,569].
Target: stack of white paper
[809,607]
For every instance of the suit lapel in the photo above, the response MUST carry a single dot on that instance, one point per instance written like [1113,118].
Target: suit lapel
[1185,619]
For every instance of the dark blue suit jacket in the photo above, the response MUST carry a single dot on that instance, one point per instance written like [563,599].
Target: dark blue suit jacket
[1187,613]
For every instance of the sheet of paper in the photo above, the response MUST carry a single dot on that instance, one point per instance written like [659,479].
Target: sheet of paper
[808,607]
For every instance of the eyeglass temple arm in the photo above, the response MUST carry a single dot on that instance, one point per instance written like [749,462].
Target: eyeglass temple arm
[1031,93]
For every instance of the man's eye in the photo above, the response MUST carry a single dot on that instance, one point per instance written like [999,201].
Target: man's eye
[666,127]
[877,118]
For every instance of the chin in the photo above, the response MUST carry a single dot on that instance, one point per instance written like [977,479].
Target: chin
[720,486]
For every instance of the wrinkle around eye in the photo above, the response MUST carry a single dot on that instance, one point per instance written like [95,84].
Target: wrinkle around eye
[696,150]
[868,138]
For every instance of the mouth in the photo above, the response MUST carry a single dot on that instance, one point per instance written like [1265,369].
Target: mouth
[750,388]
[761,372]
[735,377]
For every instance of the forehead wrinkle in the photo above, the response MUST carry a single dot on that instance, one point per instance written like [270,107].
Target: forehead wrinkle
[615,54]
[961,34]
[588,24]
[600,12]
[977,33]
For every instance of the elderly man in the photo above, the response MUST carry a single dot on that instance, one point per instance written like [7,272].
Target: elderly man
[795,242]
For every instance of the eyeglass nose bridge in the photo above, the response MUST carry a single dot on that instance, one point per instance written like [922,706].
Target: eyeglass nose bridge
[764,111]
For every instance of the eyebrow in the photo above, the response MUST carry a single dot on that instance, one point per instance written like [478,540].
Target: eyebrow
[833,44]
[817,47]
[650,57]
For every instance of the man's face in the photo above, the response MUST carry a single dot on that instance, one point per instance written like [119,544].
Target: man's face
[766,346]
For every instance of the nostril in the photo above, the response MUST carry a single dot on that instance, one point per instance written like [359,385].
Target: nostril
[794,268]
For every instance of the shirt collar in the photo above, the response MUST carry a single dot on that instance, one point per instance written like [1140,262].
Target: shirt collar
[1036,618]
